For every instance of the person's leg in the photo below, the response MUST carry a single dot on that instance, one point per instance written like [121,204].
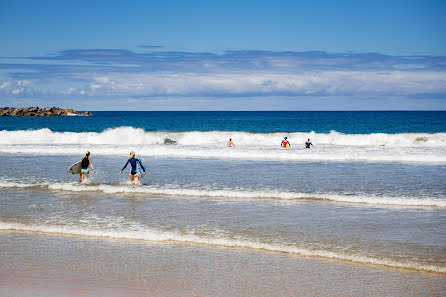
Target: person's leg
[82,177]
[137,178]
[131,177]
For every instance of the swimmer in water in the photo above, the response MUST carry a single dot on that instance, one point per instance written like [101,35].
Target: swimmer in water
[285,143]
[230,143]
[308,143]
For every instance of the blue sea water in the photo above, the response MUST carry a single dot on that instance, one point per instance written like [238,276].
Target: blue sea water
[348,122]
[371,191]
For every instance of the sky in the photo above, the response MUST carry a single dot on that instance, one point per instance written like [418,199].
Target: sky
[224,55]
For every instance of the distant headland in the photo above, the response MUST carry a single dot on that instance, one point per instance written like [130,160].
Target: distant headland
[40,112]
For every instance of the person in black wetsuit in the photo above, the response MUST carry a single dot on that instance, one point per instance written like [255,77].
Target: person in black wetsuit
[308,143]
[134,175]
[86,163]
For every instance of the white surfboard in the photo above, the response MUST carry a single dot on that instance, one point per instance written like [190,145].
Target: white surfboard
[75,168]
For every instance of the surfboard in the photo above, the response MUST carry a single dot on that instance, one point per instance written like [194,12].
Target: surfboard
[75,168]
[138,167]
[290,146]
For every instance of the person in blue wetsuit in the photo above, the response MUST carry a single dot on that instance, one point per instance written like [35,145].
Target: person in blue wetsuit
[134,175]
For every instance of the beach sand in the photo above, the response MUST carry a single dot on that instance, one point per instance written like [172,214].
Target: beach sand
[33,264]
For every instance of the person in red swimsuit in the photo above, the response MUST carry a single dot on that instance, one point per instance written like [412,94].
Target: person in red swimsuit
[285,143]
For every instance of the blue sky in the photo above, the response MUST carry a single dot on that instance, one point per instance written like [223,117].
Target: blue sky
[224,55]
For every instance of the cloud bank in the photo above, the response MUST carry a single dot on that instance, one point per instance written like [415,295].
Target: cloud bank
[113,74]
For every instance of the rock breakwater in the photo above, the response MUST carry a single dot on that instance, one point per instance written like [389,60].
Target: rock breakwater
[40,112]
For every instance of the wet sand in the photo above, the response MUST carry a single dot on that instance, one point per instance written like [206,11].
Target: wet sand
[33,264]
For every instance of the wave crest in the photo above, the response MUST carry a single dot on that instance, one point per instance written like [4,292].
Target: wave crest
[135,136]
[233,194]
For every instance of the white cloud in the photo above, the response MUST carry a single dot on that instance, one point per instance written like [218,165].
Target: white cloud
[5,84]
[17,91]
[23,83]
[246,83]
[95,86]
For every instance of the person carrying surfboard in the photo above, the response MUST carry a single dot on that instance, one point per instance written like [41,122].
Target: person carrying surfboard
[285,143]
[134,175]
[86,163]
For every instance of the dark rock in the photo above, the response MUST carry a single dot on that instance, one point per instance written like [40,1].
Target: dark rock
[40,112]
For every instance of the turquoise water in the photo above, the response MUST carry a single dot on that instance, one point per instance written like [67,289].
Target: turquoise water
[348,122]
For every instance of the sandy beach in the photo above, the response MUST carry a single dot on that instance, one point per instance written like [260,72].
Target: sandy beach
[34,264]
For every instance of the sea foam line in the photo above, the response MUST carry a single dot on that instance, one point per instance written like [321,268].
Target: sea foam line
[416,155]
[138,136]
[233,194]
[157,235]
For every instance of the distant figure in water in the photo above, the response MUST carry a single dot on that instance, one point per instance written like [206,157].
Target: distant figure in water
[285,143]
[308,143]
[230,143]
[86,163]
[133,175]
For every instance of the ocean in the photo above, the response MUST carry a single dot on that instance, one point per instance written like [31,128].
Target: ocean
[367,202]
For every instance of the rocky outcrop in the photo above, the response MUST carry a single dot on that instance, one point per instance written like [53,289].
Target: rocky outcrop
[40,112]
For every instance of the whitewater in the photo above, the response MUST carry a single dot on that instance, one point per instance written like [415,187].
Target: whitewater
[287,196]
[334,146]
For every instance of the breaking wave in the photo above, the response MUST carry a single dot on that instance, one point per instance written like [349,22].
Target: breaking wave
[150,234]
[332,147]
[137,136]
[234,194]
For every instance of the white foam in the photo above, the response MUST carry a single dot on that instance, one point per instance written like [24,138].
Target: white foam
[234,194]
[159,235]
[333,147]
[135,136]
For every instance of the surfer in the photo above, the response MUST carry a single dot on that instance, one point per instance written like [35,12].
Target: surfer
[308,143]
[285,143]
[230,143]
[86,163]
[134,174]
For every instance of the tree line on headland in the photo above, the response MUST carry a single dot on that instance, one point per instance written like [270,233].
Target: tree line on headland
[40,112]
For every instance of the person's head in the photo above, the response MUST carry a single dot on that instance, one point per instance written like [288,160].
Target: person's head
[308,139]
[132,154]
[285,138]
[230,139]
[87,154]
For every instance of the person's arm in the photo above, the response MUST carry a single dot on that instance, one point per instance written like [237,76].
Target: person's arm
[124,167]
[91,164]
[142,166]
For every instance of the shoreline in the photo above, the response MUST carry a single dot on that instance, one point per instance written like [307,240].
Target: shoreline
[253,247]
[36,264]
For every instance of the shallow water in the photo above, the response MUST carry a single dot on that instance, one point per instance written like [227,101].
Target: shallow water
[386,214]
[372,202]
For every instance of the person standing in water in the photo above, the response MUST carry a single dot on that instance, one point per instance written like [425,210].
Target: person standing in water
[86,163]
[133,175]
[285,143]
[230,143]
[308,143]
